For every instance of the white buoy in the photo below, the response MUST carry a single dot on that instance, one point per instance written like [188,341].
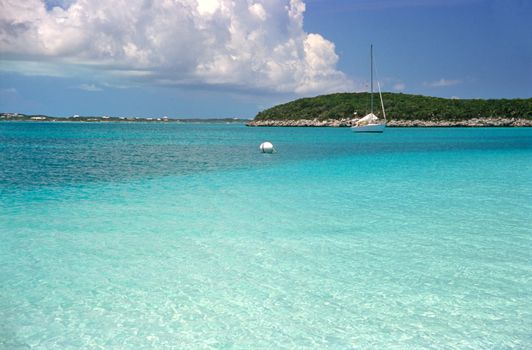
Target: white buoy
[266,147]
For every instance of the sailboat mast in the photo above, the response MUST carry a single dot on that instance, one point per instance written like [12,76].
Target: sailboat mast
[371,54]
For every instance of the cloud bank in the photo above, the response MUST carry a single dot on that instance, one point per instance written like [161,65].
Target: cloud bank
[239,44]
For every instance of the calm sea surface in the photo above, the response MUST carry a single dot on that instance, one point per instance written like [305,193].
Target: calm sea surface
[167,236]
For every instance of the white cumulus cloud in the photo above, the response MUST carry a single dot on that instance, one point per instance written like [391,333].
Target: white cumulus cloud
[241,44]
[89,87]
[443,83]
[399,86]
[8,91]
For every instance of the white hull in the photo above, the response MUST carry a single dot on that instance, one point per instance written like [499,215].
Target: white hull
[369,128]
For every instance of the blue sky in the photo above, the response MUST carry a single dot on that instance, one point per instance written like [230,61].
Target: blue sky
[207,58]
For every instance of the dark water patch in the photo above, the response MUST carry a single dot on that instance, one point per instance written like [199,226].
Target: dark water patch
[46,154]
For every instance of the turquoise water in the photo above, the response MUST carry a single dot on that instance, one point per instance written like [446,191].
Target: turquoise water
[151,236]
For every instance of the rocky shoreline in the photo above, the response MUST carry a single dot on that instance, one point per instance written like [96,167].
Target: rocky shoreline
[474,122]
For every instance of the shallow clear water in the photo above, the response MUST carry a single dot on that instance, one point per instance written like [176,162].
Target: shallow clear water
[131,236]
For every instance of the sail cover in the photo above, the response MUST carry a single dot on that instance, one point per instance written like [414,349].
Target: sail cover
[367,119]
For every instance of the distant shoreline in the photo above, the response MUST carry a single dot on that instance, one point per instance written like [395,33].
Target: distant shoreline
[401,123]
[14,117]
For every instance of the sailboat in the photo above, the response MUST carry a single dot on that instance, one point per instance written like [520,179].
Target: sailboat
[370,122]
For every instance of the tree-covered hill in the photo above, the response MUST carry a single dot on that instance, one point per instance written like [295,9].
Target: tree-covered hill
[398,106]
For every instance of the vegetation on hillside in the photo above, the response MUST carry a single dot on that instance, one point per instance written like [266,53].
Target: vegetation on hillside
[398,106]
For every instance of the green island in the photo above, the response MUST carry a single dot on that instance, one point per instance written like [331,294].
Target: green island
[106,119]
[402,110]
